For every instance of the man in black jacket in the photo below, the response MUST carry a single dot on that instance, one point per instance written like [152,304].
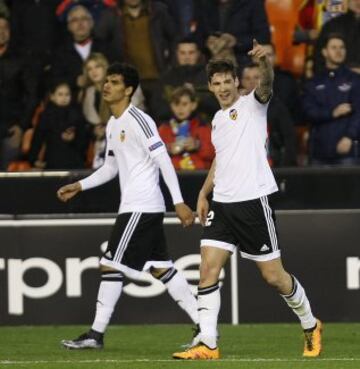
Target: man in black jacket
[242,19]
[35,30]
[17,97]
[69,59]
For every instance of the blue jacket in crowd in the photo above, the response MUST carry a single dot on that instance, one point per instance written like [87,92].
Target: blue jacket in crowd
[321,96]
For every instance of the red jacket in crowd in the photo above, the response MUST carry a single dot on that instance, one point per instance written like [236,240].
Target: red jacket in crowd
[201,156]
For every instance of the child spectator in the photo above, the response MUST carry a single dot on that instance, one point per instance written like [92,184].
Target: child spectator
[62,129]
[188,140]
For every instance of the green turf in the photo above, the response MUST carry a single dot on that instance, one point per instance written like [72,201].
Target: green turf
[258,346]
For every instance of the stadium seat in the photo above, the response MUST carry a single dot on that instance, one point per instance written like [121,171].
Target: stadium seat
[283,18]
[19,166]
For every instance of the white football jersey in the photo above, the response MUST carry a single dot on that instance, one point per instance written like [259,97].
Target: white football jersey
[239,135]
[134,139]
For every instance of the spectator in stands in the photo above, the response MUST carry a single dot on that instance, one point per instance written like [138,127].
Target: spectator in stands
[348,25]
[332,105]
[17,97]
[94,71]
[282,139]
[36,32]
[62,130]
[189,69]
[285,86]
[239,20]
[69,59]
[142,33]
[187,139]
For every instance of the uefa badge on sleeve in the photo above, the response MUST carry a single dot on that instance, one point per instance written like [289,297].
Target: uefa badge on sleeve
[122,136]
[233,114]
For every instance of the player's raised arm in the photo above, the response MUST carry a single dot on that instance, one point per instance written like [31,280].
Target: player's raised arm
[264,90]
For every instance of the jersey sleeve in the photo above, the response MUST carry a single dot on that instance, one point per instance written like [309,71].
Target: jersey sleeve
[148,134]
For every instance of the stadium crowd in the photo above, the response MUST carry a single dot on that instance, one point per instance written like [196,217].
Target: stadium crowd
[54,55]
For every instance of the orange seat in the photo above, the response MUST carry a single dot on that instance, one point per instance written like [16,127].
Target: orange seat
[19,166]
[283,18]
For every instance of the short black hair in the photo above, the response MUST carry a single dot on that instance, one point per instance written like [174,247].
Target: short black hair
[220,66]
[332,36]
[188,40]
[128,72]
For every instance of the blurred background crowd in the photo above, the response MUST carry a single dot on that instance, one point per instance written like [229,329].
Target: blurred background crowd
[54,55]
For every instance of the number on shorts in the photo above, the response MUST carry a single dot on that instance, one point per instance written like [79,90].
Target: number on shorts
[209,218]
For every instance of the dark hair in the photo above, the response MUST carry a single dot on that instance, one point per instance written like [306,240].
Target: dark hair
[188,40]
[54,85]
[220,66]
[128,72]
[332,36]
[181,91]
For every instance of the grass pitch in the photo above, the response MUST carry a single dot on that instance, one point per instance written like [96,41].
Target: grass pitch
[257,346]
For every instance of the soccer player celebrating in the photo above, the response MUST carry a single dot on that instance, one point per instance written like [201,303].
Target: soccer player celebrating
[135,153]
[241,214]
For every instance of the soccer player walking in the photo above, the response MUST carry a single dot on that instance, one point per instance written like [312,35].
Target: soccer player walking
[134,153]
[241,214]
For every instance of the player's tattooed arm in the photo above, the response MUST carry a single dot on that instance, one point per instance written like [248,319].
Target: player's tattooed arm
[264,90]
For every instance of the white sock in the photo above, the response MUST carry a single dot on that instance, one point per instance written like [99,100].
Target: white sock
[179,290]
[209,307]
[299,303]
[109,293]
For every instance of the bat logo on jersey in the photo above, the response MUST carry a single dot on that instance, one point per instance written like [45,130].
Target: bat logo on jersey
[233,114]
[155,146]
[122,136]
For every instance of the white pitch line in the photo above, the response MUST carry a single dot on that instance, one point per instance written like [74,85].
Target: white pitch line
[101,361]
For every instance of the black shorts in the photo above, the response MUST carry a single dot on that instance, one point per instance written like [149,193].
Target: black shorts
[137,242]
[250,225]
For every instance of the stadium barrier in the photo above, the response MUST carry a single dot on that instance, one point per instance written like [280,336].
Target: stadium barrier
[48,271]
[300,188]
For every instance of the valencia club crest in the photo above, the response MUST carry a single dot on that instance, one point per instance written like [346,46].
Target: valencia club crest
[122,136]
[233,114]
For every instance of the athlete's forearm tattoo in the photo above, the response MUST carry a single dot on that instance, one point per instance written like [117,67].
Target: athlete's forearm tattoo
[264,90]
